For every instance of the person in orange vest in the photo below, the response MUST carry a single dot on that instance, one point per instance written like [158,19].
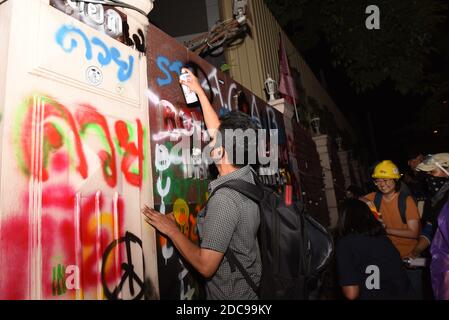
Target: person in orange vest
[398,212]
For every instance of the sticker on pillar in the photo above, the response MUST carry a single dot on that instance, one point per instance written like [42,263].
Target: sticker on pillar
[94,76]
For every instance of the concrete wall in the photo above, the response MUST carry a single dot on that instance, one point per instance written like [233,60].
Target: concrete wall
[75,162]
[4,55]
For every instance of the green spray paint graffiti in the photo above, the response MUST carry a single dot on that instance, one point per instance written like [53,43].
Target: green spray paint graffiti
[42,121]
[58,280]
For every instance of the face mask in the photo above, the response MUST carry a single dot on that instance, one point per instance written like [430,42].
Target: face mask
[434,184]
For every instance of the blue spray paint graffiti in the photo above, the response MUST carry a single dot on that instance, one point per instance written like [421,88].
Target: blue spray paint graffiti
[105,57]
[163,63]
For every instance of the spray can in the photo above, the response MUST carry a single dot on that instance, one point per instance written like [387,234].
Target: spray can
[374,210]
[189,95]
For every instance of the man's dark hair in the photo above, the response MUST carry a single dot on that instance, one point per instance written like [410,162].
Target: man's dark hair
[357,218]
[233,121]
[413,152]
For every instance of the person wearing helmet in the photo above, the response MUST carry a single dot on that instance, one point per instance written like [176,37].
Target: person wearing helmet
[437,215]
[435,166]
[399,214]
[403,232]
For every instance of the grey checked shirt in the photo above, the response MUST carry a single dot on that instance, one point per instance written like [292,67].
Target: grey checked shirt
[232,220]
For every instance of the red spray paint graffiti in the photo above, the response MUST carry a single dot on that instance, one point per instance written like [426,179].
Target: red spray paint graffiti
[89,116]
[14,248]
[59,242]
[132,152]
[54,139]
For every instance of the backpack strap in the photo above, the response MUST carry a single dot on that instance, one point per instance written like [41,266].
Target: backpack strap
[249,190]
[378,200]
[402,204]
[304,265]
[234,262]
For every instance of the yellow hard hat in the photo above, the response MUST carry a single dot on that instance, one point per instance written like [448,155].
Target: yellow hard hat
[386,170]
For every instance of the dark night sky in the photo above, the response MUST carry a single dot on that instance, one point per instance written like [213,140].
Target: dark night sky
[391,113]
[387,109]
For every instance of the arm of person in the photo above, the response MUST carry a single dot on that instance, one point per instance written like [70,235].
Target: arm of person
[210,116]
[412,231]
[421,246]
[351,292]
[348,276]
[424,241]
[205,261]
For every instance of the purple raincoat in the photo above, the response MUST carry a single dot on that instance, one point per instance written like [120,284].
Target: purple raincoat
[440,256]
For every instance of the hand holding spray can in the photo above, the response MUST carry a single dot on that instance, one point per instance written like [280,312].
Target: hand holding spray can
[377,214]
[189,95]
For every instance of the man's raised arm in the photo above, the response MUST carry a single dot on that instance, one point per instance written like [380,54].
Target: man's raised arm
[210,116]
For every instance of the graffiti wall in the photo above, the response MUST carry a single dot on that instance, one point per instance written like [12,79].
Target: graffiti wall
[91,131]
[75,164]
[180,188]
[82,172]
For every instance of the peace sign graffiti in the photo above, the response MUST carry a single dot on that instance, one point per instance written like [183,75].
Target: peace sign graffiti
[129,277]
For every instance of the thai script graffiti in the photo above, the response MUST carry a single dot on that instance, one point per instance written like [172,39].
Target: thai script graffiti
[61,128]
[66,39]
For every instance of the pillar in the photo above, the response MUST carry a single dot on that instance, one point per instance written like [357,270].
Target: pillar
[323,146]
[344,162]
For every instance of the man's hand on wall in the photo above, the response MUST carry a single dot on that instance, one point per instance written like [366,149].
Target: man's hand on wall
[166,224]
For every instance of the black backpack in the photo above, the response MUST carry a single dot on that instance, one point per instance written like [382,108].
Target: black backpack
[294,248]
